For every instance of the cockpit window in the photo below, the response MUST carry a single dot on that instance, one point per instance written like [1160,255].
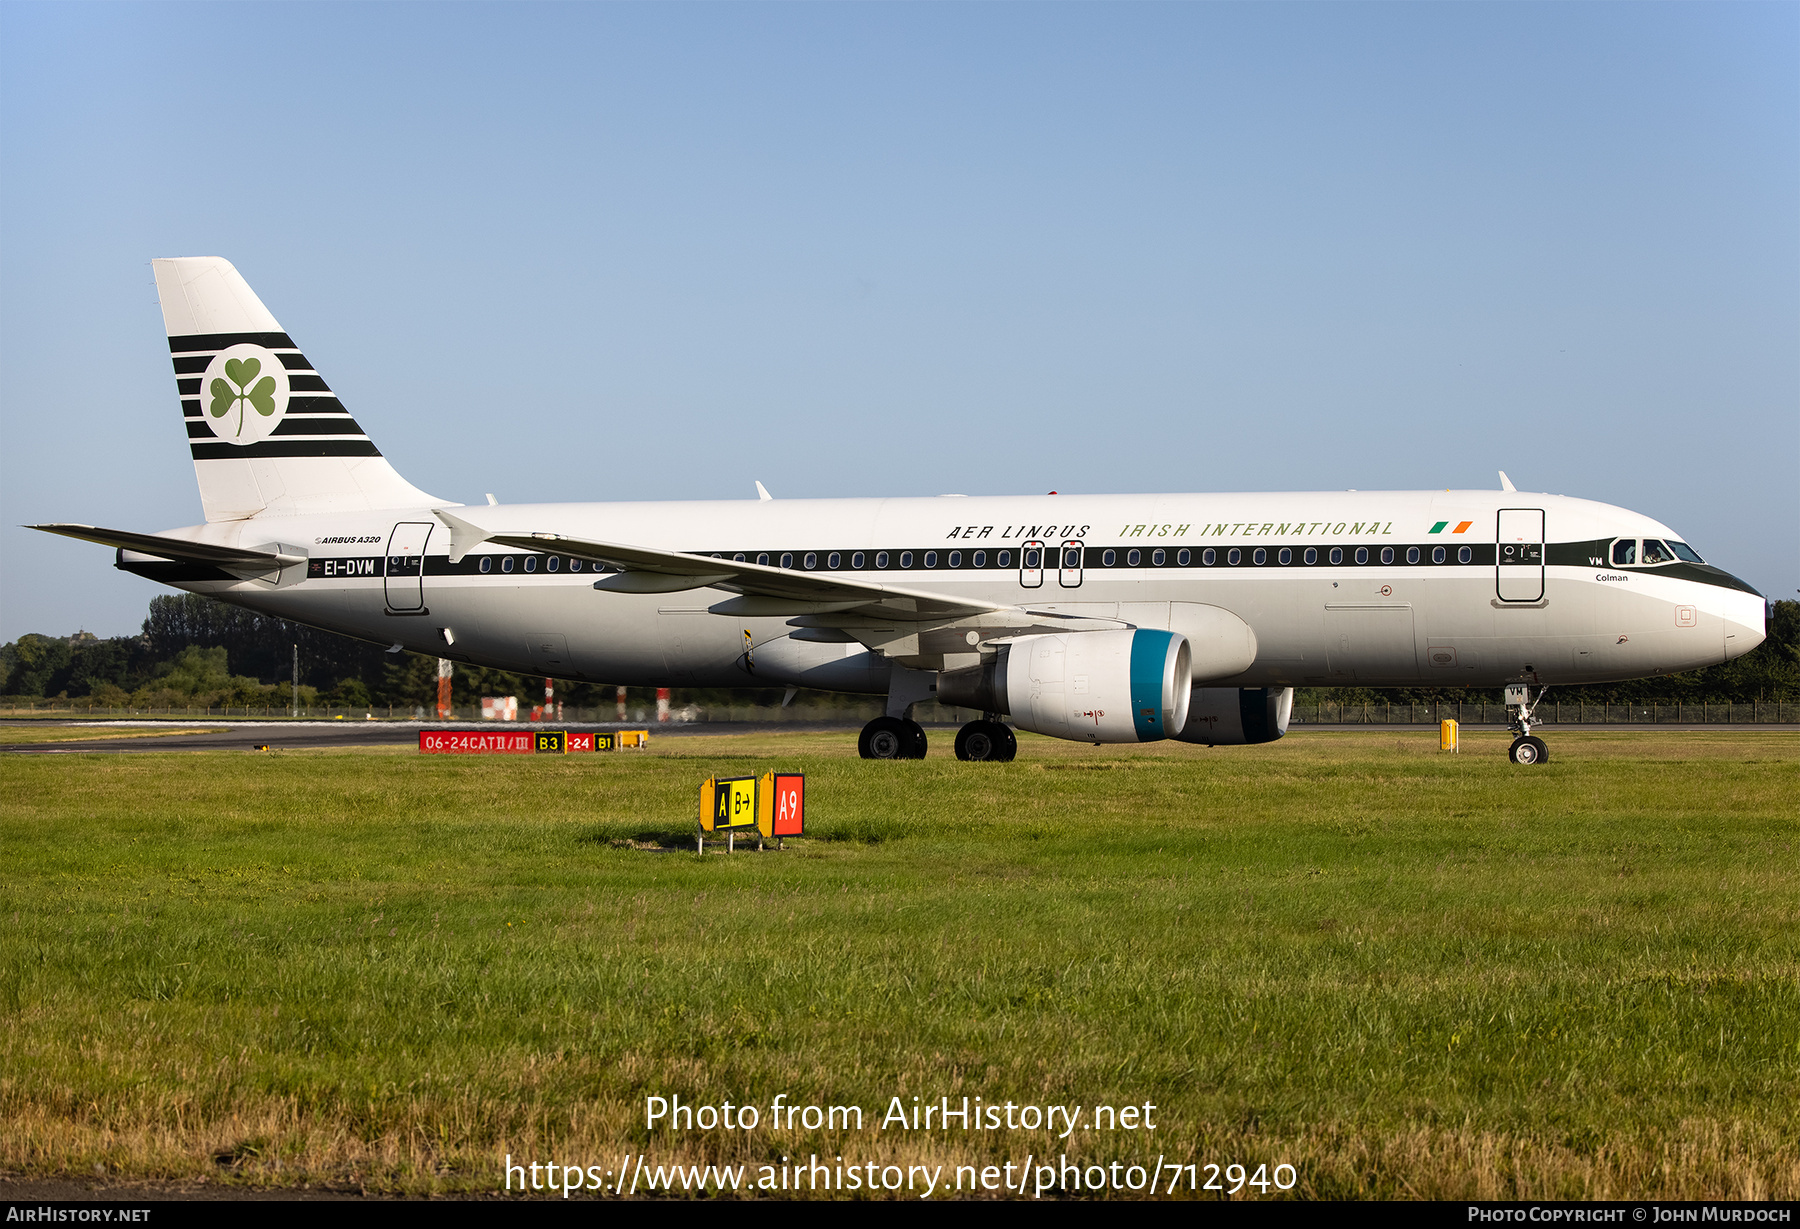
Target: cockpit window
[1624,552]
[1656,552]
[1684,552]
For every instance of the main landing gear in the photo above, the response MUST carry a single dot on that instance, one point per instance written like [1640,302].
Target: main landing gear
[891,738]
[1527,748]
[986,740]
[898,737]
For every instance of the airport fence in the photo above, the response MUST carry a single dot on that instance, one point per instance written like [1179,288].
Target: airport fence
[856,711]
[1551,712]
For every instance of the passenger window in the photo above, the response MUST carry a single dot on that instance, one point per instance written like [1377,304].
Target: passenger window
[1465,554]
[1311,555]
[1260,557]
[1183,558]
[1003,559]
[487,563]
[856,560]
[506,564]
[1624,552]
[1108,558]
[1159,557]
[833,560]
[979,560]
[1285,557]
[1438,554]
[1209,556]
[787,559]
[762,560]
[881,559]
[1412,554]
[1133,558]
[931,559]
[956,559]
[531,563]
[1032,559]
[1387,554]
[1234,556]
[550,564]
[1337,554]
[1362,554]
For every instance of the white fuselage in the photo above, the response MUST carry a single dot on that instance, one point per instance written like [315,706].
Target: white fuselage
[1568,616]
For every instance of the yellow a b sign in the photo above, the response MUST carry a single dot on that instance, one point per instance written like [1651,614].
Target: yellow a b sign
[727,803]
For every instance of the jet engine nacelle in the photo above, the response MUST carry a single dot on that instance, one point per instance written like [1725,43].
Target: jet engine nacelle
[1236,716]
[1124,686]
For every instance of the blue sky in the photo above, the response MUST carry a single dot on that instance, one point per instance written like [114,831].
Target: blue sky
[642,251]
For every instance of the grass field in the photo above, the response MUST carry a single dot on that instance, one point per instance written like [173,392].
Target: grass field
[1402,973]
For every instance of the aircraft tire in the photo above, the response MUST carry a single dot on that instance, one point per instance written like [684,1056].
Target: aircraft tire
[1529,750]
[888,738]
[915,741]
[986,740]
[1009,743]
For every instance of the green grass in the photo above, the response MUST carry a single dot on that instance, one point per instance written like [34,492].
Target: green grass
[1404,973]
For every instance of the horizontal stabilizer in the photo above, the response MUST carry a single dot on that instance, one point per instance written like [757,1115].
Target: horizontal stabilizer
[179,549]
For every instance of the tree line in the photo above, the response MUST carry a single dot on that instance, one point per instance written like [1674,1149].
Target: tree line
[199,651]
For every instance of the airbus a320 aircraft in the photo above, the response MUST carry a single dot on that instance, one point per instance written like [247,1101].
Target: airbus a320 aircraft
[1105,618]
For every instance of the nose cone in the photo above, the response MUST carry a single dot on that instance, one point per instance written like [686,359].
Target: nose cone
[1746,623]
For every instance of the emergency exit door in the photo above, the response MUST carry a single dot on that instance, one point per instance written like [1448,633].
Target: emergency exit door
[1031,565]
[1519,555]
[1070,572]
[405,572]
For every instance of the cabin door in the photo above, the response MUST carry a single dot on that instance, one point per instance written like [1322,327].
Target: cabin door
[1519,555]
[405,579]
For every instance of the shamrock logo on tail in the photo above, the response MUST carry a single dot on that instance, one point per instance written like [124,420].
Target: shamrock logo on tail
[226,397]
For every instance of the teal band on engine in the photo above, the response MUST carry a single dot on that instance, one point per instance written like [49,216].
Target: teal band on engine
[1149,654]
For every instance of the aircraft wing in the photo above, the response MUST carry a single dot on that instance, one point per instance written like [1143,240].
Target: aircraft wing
[180,549]
[765,590]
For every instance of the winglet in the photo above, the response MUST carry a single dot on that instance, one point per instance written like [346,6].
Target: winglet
[762,493]
[1506,483]
[464,536]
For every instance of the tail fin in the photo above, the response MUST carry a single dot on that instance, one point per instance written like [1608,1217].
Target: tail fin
[268,436]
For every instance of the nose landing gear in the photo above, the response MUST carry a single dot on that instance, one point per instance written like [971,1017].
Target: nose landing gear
[1527,748]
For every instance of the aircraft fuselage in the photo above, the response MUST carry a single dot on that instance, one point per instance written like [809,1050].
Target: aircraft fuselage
[1421,593]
